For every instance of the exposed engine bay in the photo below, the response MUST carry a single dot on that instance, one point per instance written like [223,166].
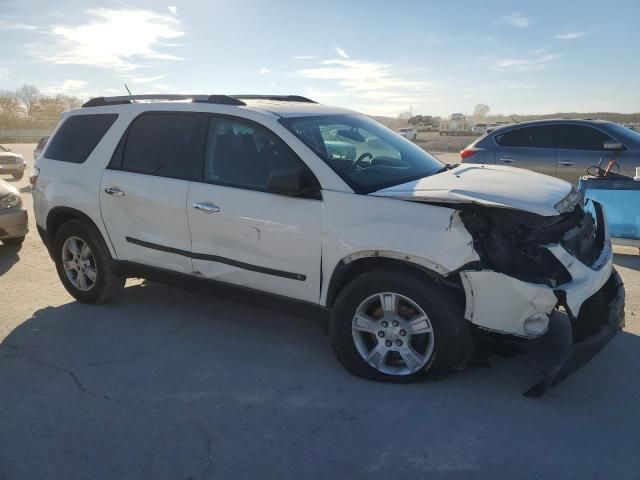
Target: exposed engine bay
[513,242]
[539,275]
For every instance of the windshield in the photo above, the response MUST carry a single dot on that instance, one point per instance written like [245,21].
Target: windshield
[367,155]
[626,133]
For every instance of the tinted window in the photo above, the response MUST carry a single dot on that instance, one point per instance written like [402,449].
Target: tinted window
[162,144]
[532,137]
[78,136]
[579,137]
[244,155]
[625,133]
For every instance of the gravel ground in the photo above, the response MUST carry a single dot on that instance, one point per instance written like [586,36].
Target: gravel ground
[172,384]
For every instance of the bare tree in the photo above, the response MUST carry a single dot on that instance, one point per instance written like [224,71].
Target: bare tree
[481,111]
[9,106]
[29,95]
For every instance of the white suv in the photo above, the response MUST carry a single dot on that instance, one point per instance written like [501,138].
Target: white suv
[413,259]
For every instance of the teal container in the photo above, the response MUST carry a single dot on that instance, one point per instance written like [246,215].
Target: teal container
[621,202]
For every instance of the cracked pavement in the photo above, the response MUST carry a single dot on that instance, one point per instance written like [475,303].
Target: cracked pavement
[172,384]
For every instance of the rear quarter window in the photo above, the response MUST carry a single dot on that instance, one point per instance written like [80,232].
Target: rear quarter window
[78,136]
[526,137]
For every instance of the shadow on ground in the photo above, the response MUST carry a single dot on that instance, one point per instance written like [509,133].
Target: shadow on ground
[627,260]
[166,383]
[8,257]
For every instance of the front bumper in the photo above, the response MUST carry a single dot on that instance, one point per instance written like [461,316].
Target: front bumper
[571,343]
[571,321]
[14,223]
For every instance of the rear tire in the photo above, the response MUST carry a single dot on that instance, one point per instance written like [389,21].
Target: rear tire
[447,349]
[87,274]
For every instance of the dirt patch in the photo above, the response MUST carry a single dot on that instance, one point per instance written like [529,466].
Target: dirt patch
[434,142]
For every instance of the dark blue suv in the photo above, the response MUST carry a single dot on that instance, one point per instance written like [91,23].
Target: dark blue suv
[561,148]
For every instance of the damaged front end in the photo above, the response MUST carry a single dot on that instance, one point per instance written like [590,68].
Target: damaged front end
[548,279]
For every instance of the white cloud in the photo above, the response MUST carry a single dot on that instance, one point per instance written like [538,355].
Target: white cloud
[68,87]
[114,39]
[173,9]
[264,70]
[571,35]
[534,62]
[7,25]
[515,20]
[147,79]
[341,52]
[4,73]
[366,84]
[305,57]
[161,86]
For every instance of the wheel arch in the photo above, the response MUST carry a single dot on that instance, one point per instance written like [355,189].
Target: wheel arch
[353,265]
[60,215]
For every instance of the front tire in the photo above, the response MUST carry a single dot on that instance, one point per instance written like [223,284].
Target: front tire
[397,326]
[84,264]
[18,176]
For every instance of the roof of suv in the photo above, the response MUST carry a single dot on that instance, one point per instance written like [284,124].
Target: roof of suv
[280,105]
[294,109]
[549,121]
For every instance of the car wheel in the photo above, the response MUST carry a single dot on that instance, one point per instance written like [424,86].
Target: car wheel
[14,241]
[18,176]
[84,264]
[398,327]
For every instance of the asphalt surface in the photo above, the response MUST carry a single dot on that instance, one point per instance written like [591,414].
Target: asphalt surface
[171,384]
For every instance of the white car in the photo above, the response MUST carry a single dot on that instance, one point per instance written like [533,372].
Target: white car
[413,260]
[408,133]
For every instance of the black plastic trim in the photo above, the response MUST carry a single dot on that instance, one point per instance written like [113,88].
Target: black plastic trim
[281,98]
[216,258]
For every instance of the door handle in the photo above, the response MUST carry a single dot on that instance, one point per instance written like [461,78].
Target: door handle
[206,207]
[567,164]
[115,191]
[507,160]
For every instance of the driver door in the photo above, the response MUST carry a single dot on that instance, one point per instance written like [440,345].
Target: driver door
[243,234]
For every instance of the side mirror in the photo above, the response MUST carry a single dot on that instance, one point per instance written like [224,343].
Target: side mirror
[296,182]
[613,145]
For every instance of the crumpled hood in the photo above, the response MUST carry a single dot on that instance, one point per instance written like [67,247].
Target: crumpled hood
[490,185]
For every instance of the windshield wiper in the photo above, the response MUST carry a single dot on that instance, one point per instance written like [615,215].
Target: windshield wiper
[447,166]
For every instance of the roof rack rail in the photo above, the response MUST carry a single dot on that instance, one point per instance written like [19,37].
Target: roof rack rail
[282,98]
[124,99]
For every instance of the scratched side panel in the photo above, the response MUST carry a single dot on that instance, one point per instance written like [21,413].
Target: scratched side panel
[261,229]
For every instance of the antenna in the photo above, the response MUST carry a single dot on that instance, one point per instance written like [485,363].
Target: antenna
[125,86]
[513,117]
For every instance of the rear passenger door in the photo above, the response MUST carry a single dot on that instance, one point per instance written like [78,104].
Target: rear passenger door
[579,147]
[528,147]
[241,232]
[144,190]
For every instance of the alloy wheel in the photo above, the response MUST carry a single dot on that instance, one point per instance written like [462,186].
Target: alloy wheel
[393,334]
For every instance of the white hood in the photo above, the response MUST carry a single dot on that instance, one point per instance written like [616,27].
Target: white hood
[490,185]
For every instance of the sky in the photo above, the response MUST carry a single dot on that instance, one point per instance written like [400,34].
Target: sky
[377,57]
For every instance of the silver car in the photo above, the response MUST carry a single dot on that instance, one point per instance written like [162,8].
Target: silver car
[14,223]
[11,163]
[561,148]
